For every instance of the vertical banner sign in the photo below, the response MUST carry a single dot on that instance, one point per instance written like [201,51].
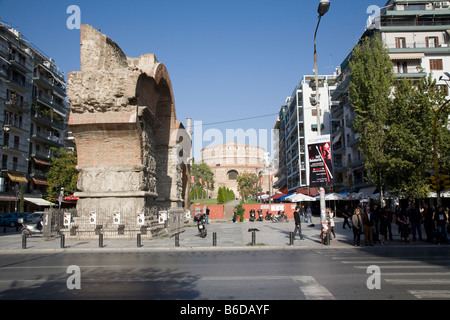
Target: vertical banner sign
[92,217]
[116,217]
[140,219]
[320,165]
[67,219]
[162,217]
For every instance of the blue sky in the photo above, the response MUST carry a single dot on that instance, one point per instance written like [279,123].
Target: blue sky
[227,59]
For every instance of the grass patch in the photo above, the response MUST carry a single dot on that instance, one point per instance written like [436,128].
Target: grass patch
[256,245]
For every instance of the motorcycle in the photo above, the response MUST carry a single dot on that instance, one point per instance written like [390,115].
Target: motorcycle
[268,215]
[260,216]
[279,217]
[252,215]
[29,230]
[201,225]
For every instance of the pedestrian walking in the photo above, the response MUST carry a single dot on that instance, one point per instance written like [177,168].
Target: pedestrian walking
[441,221]
[303,213]
[389,221]
[428,223]
[347,215]
[298,223]
[403,224]
[332,224]
[376,223]
[415,218]
[308,214]
[357,227]
[235,215]
[368,225]
[207,215]
[384,221]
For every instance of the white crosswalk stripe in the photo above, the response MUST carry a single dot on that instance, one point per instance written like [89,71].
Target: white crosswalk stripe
[432,273]
[312,289]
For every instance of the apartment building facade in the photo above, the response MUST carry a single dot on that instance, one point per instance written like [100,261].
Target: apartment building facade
[417,36]
[297,126]
[33,113]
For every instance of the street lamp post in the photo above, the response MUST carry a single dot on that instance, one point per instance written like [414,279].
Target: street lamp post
[324,6]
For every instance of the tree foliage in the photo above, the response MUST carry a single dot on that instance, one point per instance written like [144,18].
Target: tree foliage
[372,79]
[395,121]
[246,184]
[62,173]
[224,195]
[203,180]
[410,136]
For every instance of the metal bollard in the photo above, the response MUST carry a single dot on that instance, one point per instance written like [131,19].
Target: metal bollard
[253,238]
[24,242]
[63,241]
[139,240]
[100,240]
[291,238]
[214,239]
[177,240]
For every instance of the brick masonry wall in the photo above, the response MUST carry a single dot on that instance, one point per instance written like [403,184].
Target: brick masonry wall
[217,211]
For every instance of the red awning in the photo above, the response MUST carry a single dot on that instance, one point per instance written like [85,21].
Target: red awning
[40,182]
[45,163]
[70,198]
[277,196]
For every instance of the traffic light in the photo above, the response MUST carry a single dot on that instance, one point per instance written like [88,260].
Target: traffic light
[444,182]
[434,183]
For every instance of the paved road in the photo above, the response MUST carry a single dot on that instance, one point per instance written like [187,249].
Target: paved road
[408,273]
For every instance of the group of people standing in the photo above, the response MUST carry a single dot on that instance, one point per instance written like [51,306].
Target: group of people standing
[376,223]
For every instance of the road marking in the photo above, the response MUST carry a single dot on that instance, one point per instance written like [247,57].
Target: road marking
[418,274]
[393,261]
[406,267]
[431,294]
[312,289]
[418,281]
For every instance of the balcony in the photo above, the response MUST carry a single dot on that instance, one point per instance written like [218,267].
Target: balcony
[19,84]
[47,120]
[354,142]
[43,81]
[15,147]
[17,104]
[4,50]
[350,120]
[45,155]
[49,83]
[22,65]
[50,102]
[48,138]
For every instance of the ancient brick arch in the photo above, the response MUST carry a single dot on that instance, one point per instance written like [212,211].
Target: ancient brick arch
[124,123]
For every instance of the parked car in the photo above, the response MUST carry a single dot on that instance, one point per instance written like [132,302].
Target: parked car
[11,219]
[35,217]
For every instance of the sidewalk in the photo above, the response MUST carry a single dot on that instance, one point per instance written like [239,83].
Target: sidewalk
[229,236]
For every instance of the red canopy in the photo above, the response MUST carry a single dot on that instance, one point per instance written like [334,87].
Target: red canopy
[279,195]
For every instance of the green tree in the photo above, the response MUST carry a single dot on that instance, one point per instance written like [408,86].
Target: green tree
[201,173]
[62,173]
[372,79]
[395,120]
[246,182]
[221,196]
[410,136]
